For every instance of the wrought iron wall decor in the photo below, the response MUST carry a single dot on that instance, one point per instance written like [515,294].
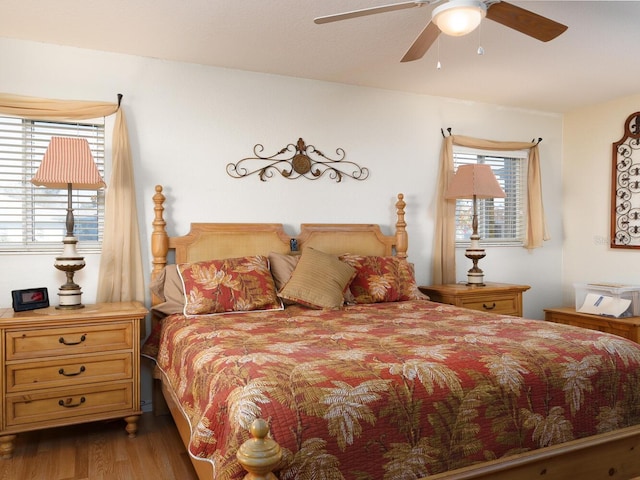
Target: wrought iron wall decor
[295,161]
[625,190]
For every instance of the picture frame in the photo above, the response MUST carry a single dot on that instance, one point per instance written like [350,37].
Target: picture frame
[30,299]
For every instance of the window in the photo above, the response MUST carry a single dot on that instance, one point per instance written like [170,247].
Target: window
[33,218]
[501,221]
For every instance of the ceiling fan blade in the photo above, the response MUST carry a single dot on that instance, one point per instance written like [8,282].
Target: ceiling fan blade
[368,11]
[422,43]
[524,21]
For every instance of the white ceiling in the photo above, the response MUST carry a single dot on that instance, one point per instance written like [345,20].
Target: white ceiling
[595,60]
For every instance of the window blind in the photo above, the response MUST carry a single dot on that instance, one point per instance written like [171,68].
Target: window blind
[33,218]
[500,220]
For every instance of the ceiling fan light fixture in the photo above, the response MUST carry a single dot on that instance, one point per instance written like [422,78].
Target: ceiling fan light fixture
[459,17]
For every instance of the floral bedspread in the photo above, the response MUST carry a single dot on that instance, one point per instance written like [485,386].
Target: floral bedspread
[394,390]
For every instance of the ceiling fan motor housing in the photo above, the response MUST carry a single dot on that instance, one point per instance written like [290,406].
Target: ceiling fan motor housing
[459,17]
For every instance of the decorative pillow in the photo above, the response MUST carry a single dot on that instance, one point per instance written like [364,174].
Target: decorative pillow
[407,281]
[376,278]
[168,287]
[230,285]
[318,281]
[282,266]
[382,279]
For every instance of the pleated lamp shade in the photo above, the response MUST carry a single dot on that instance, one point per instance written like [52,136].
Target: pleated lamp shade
[475,180]
[67,161]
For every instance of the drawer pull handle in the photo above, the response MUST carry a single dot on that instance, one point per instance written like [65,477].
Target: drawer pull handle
[489,307]
[62,372]
[68,403]
[64,342]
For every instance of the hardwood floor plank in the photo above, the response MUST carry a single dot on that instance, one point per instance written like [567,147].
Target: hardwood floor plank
[101,451]
[101,455]
[65,459]
[81,457]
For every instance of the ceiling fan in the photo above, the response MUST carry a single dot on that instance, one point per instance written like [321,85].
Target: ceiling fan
[459,17]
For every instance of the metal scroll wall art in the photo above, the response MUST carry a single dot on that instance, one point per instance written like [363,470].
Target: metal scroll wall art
[295,161]
[625,191]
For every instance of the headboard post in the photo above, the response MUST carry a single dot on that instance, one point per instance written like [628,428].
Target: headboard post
[402,239]
[159,237]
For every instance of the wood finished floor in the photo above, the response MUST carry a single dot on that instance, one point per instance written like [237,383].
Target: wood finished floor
[101,451]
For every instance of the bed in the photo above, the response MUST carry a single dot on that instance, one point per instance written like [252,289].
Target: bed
[374,381]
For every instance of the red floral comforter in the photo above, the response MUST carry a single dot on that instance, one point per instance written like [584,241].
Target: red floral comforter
[394,390]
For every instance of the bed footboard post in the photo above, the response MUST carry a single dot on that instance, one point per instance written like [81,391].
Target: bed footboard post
[159,238]
[402,239]
[259,455]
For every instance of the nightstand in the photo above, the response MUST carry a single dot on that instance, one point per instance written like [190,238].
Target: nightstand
[500,298]
[627,327]
[62,367]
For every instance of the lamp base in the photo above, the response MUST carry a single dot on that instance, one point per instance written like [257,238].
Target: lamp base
[69,300]
[474,279]
[70,294]
[475,276]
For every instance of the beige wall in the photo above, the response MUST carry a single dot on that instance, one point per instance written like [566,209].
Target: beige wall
[586,200]
[188,121]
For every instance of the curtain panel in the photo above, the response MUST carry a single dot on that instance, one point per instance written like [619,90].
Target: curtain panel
[121,274]
[444,258]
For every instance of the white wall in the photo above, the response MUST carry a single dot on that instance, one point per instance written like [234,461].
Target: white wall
[186,122]
[587,166]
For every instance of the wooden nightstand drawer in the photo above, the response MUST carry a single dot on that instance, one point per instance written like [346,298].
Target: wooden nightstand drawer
[499,298]
[49,406]
[503,305]
[39,343]
[68,372]
[627,327]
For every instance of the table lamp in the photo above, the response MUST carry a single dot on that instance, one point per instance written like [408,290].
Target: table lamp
[68,163]
[474,181]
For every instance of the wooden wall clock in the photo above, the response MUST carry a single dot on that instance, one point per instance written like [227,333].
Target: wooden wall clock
[625,190]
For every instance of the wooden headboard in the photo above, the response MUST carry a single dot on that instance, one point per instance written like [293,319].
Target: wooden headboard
[207,241]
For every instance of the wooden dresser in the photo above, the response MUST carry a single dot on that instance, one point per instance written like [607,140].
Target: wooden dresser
[62,367]
[628,327]
[501,298]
